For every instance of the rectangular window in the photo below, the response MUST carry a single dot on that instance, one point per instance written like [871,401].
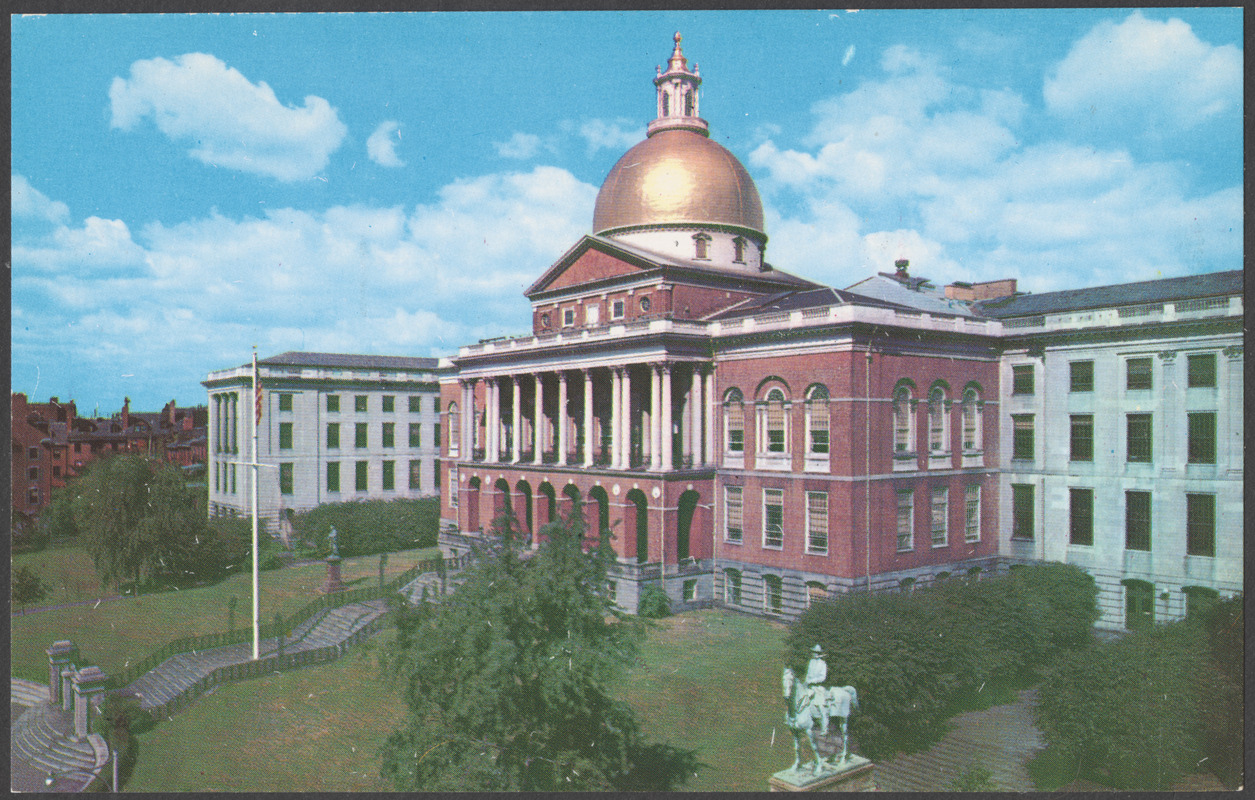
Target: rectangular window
[1022,511]
[940,517]
[1200,525]
[773,594]
[1081,505]
[1082,377]
[435,435]
[616,309]
[389,402]
[416,434]
[732,587]
[333,476]
[285,435]
[1202,441]
[690,590]
[568,317]
[733,514]
[33,453]
[285,401]
[1082,437]
[971,514]
[359,434]
[233,486]
[32,474]
[416,474]
[773,519]
[906,520]
[819,426]
[389,434]
[285,478]
[333,435]
[333,402]
[1022,437]
[775,427]
[435,473]
[359,402]
[1137,521]
[453,486]
[1022,379]
[1201,371]
[389,475]
[1139,374]
[1140,438]
[735,414]
[817,523]
[360,478]
[416,403]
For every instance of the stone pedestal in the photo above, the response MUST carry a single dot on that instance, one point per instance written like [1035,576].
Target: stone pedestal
[67,687]
[854,775]
[59,657]
[88,683]
[332,584]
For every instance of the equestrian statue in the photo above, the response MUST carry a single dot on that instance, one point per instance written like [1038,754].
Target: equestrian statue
[808,702]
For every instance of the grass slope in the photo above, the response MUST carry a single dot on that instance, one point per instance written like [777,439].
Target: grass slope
[114,633]
[67,571]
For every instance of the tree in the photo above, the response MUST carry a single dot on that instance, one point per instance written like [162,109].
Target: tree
[507,678]
[27,587]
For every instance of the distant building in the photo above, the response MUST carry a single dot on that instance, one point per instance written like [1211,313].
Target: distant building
[334,428]
[51,443]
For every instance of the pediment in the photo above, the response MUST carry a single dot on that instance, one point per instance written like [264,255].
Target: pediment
[592,260]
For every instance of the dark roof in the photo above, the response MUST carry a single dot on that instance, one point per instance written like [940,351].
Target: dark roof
[298,359]
[809,298]
[1123,294]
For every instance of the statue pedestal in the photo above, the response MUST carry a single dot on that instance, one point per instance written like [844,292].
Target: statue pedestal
[332,584]
[854,775]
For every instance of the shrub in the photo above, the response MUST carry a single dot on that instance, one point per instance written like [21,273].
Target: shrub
[365,527]
[918,658]
[27,587]
[1221,716]
[654,603]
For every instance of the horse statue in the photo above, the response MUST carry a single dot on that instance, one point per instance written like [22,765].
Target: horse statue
[807,705]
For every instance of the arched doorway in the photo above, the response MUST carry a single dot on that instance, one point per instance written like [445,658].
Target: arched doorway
[472,505]
[523,506]
[686,509]
[573,505]
[500,498]
[597,495]
[549,505]
[638,514]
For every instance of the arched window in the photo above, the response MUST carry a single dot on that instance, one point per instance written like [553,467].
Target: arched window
[738,250]
[817,420]
[732,587]
[775,424]
[815,591]
[666,104]
[937,439]
[734,422]
[688,104]
[455,429]
[971,420]
[701,244]
[903,429]
[773,594]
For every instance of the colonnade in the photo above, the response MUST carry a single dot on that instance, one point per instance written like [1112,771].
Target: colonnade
[620,417]
[226,422]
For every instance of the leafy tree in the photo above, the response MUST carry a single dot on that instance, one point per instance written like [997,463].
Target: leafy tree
[121,717]
[366,527]
[507,679]
[654,603]
[27,532]
[27,587]
[57,520]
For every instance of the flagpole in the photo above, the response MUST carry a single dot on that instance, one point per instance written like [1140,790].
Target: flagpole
[256,550]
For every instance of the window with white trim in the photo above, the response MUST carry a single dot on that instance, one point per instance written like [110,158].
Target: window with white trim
[732,586]
[773,594]
[617,308]
[971,513]
[971,420]
[568,317]
[773,519]
[733,514]
[455,429]
[815,591]
[941,516]
[817,421]
[906,520]
[937,428]
[453,487]
[734,422]
[775,424]
[817,523]
[903,421]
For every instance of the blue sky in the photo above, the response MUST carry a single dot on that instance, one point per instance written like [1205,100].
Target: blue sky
[187,186]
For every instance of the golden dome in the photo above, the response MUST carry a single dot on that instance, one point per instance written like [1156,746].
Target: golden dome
[678,177]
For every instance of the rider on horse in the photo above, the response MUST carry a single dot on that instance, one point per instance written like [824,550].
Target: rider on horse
[815,692]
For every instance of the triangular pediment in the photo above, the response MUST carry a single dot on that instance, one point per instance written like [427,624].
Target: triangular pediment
[591,260]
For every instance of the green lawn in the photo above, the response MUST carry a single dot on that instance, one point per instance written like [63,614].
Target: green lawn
[708,680]
[67,571]
[112,634]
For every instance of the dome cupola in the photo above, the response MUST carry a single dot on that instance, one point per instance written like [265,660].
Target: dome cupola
[678,192]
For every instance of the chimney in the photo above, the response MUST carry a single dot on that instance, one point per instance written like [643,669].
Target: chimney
[901,265]
[126,413]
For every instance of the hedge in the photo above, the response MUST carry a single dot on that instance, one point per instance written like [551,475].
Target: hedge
[918,658]
[364,527]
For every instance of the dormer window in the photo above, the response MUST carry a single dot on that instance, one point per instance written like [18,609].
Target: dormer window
[701,242]
[738,250]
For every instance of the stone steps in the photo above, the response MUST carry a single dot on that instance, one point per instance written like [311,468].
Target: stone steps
[42,737]
[27,693]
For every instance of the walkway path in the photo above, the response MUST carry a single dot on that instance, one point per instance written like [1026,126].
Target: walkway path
[41,734]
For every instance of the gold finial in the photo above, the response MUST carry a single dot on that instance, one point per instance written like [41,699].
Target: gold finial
[677,60]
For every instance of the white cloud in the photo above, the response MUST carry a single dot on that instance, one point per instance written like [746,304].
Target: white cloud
[848,57]
[29,203]
[231,122]
[381,147]
[617,135]
[520,145]
[1141,72]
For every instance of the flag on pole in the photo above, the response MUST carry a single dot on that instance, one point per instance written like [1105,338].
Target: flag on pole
[256,392]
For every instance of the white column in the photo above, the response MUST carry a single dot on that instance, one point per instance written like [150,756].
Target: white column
[468,422]
[1166,455]
[695,415]
[562,419]
[667,438]
[710,415]
[588,417]
[493,428]
[1234,399]
[516,419]
[625,437]
[655,403]
[616,416]
[538,420]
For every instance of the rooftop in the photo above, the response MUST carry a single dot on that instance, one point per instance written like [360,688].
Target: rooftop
[294,358]
[1212,284]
